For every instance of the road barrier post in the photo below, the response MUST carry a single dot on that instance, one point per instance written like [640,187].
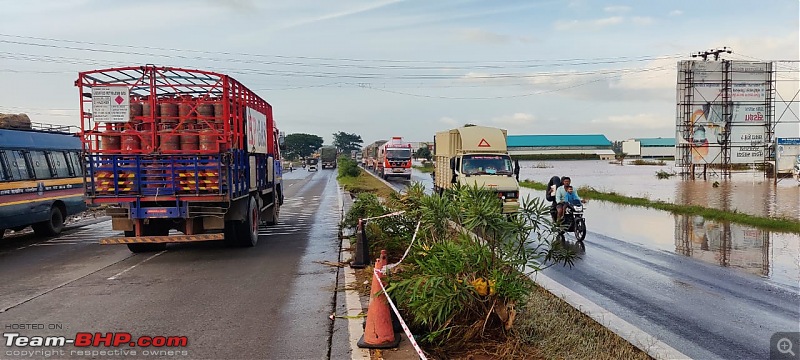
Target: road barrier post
[362,247]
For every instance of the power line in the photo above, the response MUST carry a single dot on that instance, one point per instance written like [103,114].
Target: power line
[599,59]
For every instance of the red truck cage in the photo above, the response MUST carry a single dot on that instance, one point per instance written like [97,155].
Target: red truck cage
[158,134]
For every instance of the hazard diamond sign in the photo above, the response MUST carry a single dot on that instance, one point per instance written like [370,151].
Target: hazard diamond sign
[484,143]
[111,104]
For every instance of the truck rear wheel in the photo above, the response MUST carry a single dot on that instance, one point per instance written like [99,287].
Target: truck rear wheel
[244,233]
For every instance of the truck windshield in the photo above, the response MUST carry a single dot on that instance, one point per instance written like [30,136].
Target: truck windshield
[486,164]
[398,154]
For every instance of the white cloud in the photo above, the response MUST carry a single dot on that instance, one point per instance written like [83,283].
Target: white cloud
[564,25]
[614,20]
[637,121]
[484,36]
[341,13]
[676,13]
[516,119]
[617,9]
[642,20]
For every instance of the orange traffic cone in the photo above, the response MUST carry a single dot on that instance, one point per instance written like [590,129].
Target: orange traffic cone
[379,332]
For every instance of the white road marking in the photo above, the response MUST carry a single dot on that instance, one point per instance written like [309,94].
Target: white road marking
[131,268]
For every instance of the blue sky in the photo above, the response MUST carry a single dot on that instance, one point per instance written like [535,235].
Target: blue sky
[403,68]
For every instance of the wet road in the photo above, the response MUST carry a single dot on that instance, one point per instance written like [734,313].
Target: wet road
[271,301]
[702,310]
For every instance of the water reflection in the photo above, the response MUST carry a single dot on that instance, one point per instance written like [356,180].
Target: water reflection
[747,192]
[771,255]
[725,244]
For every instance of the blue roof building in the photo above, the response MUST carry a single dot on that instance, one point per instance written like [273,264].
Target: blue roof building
[591,144]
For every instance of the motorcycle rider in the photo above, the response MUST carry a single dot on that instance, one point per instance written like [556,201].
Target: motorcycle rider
[561,194]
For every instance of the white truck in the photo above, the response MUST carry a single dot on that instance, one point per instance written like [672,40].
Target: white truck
[476,155]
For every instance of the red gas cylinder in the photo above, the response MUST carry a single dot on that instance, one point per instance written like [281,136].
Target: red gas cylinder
[169,141]
[189,140]
[110,141]
[131,142]
[208,140]
[169,112]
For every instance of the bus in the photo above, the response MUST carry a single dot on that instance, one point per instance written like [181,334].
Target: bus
[41,179]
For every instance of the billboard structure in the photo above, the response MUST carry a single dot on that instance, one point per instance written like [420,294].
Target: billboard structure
[725,114]
[787,157]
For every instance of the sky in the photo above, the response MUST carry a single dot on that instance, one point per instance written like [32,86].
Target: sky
[410,68]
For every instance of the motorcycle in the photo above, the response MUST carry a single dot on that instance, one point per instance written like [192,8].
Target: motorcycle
[573,221]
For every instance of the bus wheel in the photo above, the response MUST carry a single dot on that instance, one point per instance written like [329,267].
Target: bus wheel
[50,227]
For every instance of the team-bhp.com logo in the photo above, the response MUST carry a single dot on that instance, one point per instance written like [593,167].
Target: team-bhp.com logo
[94,340]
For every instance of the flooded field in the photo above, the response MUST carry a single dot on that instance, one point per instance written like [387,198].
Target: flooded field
[747,192]
[770,255]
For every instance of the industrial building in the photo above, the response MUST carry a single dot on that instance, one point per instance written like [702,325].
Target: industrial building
[561,145]
[649,147]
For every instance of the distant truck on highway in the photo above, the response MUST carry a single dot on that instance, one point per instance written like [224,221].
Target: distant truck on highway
[394,159]
[328,157]
[476,155]
[370,155]
[179,149]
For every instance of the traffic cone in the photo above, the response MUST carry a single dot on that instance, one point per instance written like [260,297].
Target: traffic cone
[379,332]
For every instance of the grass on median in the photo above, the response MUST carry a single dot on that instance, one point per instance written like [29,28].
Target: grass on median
[364,182]
[559,331]
[767,223]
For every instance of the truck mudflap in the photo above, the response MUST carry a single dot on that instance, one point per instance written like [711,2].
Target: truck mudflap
[115,240]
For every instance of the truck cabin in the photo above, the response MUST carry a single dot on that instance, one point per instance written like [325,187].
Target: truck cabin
[484,164]
[398,154]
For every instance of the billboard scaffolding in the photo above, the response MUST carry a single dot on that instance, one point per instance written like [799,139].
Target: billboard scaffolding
[725,115]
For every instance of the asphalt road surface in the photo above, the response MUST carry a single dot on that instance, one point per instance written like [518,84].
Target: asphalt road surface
[267,302]
[704,311]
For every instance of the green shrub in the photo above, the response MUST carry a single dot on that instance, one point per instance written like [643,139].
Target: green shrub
[453,286]
[348,167]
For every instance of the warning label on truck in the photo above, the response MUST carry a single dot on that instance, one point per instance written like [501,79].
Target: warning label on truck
[111,104]
[256,131]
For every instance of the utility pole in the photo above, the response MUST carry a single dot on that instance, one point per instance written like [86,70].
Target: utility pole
[714,52]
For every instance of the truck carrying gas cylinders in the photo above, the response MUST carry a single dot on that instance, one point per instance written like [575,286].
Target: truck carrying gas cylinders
[191,152]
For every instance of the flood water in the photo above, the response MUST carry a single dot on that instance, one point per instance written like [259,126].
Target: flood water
[772,255]
[747,192]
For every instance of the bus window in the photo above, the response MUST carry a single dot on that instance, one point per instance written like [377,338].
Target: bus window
[75,163]
[16,164]
[5,173]
[58,162]
[39,164]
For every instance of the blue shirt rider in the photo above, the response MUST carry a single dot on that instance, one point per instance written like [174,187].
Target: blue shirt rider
[561,194]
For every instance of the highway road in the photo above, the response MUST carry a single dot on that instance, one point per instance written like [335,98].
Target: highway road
[271,301]
[701,309]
